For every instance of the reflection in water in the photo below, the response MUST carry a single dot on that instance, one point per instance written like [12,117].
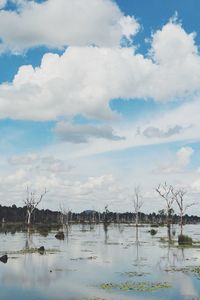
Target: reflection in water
[105,228]
[138,247]
[99,257]
[29,239]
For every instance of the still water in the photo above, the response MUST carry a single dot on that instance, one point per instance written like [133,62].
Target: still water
[93,255]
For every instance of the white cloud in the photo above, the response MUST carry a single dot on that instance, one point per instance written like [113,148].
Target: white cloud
[59,23]
[84,79]
[129,26]
[83,133]
[36,163]
[196,185]
[183,157]
[172,44]
[91,192]
[23,159]
[154,132]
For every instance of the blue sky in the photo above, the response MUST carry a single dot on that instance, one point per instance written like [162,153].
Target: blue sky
[89,117]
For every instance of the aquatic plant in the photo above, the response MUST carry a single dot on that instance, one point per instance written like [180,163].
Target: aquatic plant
[134,274]
[184,240]
[153,231]
[136,286]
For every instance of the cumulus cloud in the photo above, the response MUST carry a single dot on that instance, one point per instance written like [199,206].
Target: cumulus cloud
[154,132]
[59,23]
[83,80]
[23,159]
[82,133]
[37,163]
[90,192]
[183,158]
[196,185]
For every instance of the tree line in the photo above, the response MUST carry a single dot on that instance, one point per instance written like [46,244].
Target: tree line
[14,214]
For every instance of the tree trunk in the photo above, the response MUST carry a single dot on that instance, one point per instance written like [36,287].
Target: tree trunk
[136,219]
[29,218]
[168,226]
[181,223]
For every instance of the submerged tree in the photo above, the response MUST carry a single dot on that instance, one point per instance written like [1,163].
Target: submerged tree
[31,202]
[106,212]
[165,192]
[179,198]
[137,203]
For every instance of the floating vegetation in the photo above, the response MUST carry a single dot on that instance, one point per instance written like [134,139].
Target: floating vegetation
[196,271]
[134,274]
[63,270]
[83,258]
[114,243]
[95,298]
[136,286]
[32,251]
[167,241]
[173,269]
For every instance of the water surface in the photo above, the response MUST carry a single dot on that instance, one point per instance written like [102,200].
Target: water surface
[93,255]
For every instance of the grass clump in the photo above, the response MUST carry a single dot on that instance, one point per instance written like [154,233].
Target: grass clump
[153,232]
[184,240]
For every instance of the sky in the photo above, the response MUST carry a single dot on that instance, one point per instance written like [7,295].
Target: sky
[98,97]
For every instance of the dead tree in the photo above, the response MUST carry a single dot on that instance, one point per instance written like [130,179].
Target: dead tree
[165,192]
[137,203]
[31,202]
[64,217]
[179,198]
[106,212]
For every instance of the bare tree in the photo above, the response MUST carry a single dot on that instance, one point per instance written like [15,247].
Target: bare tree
[106,212]
[165,191]
[31,202]
[137,203]
[64,217]
[179,198]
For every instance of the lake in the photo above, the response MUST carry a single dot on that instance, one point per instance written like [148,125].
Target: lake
[98,262]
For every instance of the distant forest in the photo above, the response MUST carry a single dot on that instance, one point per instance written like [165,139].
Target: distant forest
[16,214]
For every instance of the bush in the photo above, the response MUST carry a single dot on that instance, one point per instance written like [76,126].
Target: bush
[153,232]
[184,240]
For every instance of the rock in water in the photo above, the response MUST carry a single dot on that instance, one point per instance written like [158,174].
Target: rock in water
[60,235]
[41,250]
[4,258]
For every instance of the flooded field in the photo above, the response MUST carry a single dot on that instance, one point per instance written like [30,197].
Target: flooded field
[98,262]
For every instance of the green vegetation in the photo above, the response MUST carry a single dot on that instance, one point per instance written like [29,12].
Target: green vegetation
[136,286]
[82,258]
[32,251]
[196,271]
[134,274]
[184,240]
[153,231]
